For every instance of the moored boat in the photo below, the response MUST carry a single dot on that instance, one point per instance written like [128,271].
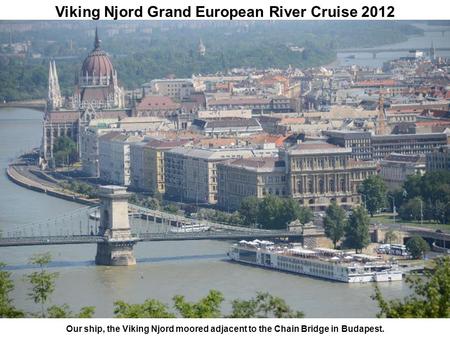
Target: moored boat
[324,263]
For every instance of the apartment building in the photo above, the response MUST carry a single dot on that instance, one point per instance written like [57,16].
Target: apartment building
[147,164]
[243,177]
[114,157]
[191,172]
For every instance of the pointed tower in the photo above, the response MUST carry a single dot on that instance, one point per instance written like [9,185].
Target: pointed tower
[54,93]
[381,118]
[201,48]
[96,40]
[56,79]
[432,51]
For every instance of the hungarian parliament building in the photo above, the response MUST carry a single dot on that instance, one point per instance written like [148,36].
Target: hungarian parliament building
[96,95]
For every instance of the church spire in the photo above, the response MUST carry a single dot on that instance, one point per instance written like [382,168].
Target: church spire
[432,51]
[56,79]
[54,92]
[97,41]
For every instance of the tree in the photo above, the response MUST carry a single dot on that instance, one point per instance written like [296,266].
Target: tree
[373,190]
[65,151]
[190,209]
[270,213]
[249,210]
[334,222]
[357,229]
[411,209]
[263,305]
[390,236]
[304,214]
[417,246]
[151,308]
[171,208]
[207,307]
[434,189]
[64,311]
[276,213]
[7,309]
[152,203]
[42,282]
[430,298]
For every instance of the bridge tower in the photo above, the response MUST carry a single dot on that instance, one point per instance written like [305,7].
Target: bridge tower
[117,246]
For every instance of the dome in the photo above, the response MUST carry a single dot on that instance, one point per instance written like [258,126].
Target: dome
[97,64]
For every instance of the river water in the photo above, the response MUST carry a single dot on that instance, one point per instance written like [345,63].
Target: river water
[432,34]
[164,269]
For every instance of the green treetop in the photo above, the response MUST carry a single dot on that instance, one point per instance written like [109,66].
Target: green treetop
[430,297]
[417,246]
[357,229]
[374,191]
[334,222]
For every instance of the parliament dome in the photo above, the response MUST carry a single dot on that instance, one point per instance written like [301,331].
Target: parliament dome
[97,68]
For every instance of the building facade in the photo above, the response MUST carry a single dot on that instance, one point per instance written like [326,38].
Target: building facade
[244,177]
[407,144]
[439,159]
[358,141]
[319,173]
[114,157]
[396,168]
[89,151]
[147,164]
[191,173]
[175,88]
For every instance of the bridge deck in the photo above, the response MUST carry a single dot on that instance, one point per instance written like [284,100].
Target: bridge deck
[148,237]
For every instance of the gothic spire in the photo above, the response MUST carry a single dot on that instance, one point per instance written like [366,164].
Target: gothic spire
[54,93]
[55,78]
[97,41]
[50,79]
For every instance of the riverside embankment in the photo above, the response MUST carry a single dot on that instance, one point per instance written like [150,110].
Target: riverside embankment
[23,176]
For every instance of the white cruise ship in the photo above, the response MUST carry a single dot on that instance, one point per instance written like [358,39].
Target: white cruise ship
[319,262]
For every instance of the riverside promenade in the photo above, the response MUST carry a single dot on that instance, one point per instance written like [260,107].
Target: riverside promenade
[30,104]
[24,176]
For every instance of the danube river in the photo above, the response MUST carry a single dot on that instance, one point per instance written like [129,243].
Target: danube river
[432,34]
[164,269]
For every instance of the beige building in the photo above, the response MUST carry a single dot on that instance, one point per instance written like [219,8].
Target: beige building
[147,164]
[244,177]
[319,172]
[175,88]
[191,173]
[114,157]
[396,168]
[89,153]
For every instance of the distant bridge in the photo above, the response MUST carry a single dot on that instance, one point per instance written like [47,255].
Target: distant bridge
[389,50]
[375,51]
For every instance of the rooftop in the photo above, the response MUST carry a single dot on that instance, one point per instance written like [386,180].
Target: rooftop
[264,164]
[316,147]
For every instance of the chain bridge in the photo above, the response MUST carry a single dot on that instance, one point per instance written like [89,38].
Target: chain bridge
[115,226]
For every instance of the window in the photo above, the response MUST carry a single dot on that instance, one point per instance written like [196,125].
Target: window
[343,188]
[321,186]
[310,186]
